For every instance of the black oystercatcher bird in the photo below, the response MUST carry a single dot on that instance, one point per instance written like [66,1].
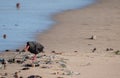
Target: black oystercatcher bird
[34,47]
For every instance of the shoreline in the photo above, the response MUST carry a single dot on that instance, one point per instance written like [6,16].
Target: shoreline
[32,33]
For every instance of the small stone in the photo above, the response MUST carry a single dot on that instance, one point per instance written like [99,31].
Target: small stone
[21,77]
[26,68]
[94,50]
[17,50]
[6,74]
[35,76]
[75,51]
[93,37]
[60,77]
[16,75]
[7,50]
[53,52]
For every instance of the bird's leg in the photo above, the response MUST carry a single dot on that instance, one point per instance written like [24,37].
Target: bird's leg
[34,58]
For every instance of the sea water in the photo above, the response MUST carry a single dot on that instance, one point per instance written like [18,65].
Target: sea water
[33,16]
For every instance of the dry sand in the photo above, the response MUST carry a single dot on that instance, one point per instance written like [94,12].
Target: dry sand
[70,38]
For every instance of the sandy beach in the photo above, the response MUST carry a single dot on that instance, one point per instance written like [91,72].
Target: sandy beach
[71,51]
[74,28]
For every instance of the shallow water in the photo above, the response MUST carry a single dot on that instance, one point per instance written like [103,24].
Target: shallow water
[21,25]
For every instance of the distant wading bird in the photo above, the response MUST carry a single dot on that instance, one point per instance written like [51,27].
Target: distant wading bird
[4,36]
[18,5]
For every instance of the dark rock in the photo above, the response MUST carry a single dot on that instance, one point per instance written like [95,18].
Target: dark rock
[94,50]
[34,76]
[17,50]
[26,68]
[7,50]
